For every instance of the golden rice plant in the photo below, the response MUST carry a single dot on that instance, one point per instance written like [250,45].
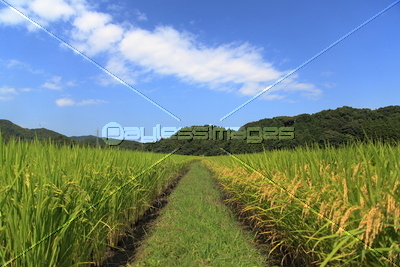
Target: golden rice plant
[336,207]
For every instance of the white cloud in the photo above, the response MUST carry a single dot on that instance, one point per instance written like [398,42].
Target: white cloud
[134,52]
[91,102]
[6,93]
[89,21]
[18,2]
[12,63]
[251,89]
[10,17]
[103,38]
[140,16]
[326,73]
[94,34]
[51,10]
[284,88]
[307,90]
[6,98]
[118,67]
[8,90]
[41,11]
[272,96]
[63,102]
[53,84]
[71,84]
[115,8]
[329,84]
[56,79]
[167,51]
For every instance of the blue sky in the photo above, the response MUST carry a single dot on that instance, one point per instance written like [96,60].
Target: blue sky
[197,59]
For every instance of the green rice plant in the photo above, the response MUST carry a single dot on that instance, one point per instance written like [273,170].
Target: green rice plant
[61,206]
[329,206]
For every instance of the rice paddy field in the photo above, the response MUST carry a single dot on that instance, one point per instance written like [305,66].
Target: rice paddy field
[329,207]
[62,206]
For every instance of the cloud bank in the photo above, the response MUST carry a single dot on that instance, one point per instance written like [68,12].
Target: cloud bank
[64,102]
[6,93]
[134,53]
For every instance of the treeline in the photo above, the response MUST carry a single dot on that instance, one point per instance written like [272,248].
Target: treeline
[336,127]
[10,130]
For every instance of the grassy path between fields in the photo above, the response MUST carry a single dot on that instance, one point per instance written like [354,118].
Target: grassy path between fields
[197,229]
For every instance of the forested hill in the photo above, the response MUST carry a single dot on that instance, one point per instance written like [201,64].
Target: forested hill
[345,123]
[337,127]
[334,126]
[9,129]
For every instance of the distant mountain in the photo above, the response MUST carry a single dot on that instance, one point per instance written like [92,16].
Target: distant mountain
[338,127]
[9,129]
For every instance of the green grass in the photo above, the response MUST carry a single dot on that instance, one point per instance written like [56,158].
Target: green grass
[197,229]
[61,206]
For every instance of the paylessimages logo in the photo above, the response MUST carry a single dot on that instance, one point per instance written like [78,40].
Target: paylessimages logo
[113,133]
